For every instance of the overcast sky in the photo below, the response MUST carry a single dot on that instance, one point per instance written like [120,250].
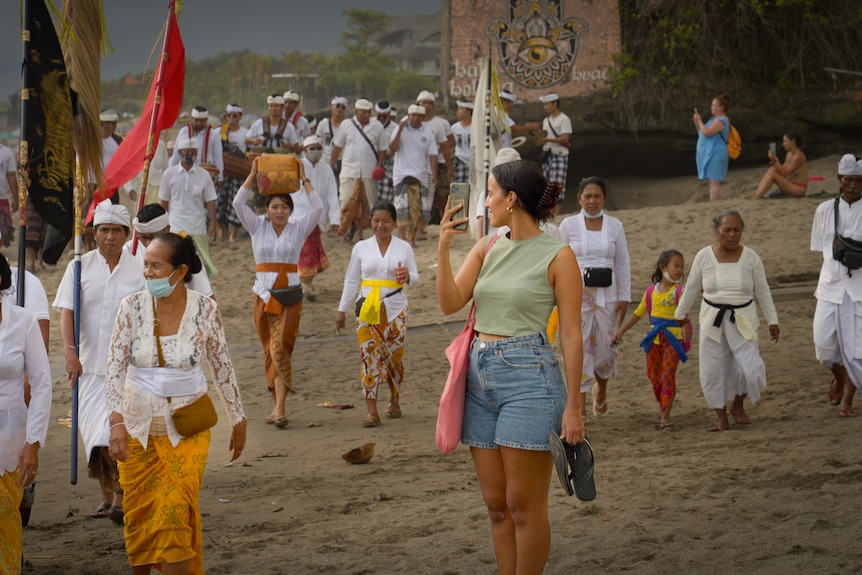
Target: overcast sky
[208,27]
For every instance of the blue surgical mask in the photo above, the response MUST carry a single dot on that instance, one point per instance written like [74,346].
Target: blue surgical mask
[590,217]
[161,287]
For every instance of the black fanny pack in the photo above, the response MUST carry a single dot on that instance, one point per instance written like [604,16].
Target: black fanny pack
[361,300]
[598,277]
[845,250]
[290,295]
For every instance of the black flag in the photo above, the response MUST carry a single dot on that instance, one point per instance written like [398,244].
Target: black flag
[46,123]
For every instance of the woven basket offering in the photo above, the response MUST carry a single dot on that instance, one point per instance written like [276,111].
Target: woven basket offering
[277,174]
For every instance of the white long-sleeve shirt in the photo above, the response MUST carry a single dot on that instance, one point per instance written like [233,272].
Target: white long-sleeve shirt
[606,248]
[209,150]
[367,263]
[323,181]
[269,247]
[22,352]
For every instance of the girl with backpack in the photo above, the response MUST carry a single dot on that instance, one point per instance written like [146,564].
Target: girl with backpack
[667,342]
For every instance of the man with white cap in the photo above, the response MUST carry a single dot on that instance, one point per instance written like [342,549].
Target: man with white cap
[555,160]
[359,144]
[509,100]
[232,138]
[327,127]
[294,116]
[152,221]
[414,173]
[446,145]
[273,131]
[208,143]
[838,315]
[385,187]
[108,274]
[110,140]
[188,195]
[312,257]
[461,132]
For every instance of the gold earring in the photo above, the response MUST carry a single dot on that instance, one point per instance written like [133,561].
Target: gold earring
[509,209]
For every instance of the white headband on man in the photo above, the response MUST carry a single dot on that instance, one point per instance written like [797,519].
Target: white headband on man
[233,108]
[363,104]
[548,98]
[200,114]
[467,105]
[109,116]
[108,213]
[506,155]
[312,140]
[849,166]
[416,109]
[278,100]
[293,96]
[153,226]
[379,108]
[425,95]
[339,100]
[507,95]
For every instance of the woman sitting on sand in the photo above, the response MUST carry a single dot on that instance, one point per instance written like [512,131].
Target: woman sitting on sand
[729,277]
[515,392]
[379,269]
[276,244]
[791,177]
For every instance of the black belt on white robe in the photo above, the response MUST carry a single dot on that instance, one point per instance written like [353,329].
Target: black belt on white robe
[724,307]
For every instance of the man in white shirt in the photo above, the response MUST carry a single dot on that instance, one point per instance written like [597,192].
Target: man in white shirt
[838,315]
[207,138]
[414,173]
[8,192]
[294,116]
[312,257]
[385,187]
[327,128]
[359,144]
[509,99]
[273,131]
[555,160]
[446,145]
[108,274]
[188,195]
[461,132]
[152,220]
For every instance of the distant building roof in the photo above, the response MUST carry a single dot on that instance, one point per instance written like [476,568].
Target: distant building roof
[413,41]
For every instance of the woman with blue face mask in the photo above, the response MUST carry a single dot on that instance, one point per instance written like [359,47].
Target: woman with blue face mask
[161,338]
[599,242]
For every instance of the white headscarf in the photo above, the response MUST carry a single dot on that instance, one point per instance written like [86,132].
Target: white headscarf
[108,213]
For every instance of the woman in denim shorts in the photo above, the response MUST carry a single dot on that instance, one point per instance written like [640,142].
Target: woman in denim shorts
[516,394]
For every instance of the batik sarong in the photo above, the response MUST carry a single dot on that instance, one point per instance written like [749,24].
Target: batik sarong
[381,351]
[662,361]
[277,333]
[312,257]
[10,524]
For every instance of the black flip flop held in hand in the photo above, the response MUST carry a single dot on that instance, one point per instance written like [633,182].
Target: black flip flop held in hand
[574,465]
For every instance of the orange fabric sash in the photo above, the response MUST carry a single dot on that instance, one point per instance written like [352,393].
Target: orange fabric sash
[281,280]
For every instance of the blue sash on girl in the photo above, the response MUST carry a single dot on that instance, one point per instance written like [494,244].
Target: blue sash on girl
[663,326]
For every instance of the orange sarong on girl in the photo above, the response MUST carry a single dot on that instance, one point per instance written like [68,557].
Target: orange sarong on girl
[10,524]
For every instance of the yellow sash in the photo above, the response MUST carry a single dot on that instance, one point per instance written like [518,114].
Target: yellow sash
[370,311]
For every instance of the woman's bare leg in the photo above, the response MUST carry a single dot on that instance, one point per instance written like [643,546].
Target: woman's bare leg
[714,190]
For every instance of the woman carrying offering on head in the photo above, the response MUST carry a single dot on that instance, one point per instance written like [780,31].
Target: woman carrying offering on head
[516,394]
[276,244]
[712,156]
[599,243]
[161,338]
[380,268]
[791,176]
[729,277]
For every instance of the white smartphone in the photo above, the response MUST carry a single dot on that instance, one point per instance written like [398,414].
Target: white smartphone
[459,196]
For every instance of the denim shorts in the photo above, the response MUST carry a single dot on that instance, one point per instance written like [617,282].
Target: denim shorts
[515,393]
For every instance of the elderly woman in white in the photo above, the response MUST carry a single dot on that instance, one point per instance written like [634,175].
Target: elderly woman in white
[729,277]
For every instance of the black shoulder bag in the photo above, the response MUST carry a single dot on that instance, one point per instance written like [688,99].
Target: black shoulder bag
[845,250]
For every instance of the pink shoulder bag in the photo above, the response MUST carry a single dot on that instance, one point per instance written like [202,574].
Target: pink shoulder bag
[450,417]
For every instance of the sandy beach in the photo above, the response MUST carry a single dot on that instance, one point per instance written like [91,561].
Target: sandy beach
[775,497]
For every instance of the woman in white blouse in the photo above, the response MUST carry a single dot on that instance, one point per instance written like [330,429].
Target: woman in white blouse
[379,268]
[729,277]
[276,243]
[161,338]
[22,430]
[599,242]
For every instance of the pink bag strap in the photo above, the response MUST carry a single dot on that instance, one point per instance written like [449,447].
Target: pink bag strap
[471,317]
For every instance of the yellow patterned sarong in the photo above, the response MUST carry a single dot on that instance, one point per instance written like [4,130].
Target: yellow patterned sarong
[381,350]
[10,524]
[162,516]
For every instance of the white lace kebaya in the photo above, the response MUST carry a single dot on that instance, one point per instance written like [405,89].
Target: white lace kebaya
[200,336]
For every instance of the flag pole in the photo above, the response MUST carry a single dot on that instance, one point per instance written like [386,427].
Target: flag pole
[79,242]
[23,155]
[153,140]
[486,159]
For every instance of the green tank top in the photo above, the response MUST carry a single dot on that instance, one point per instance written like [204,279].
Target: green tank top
[512,294]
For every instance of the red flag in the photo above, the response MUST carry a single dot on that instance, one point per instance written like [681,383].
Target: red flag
[129,158]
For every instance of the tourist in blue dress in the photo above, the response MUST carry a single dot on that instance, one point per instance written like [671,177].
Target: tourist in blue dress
[712,137]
